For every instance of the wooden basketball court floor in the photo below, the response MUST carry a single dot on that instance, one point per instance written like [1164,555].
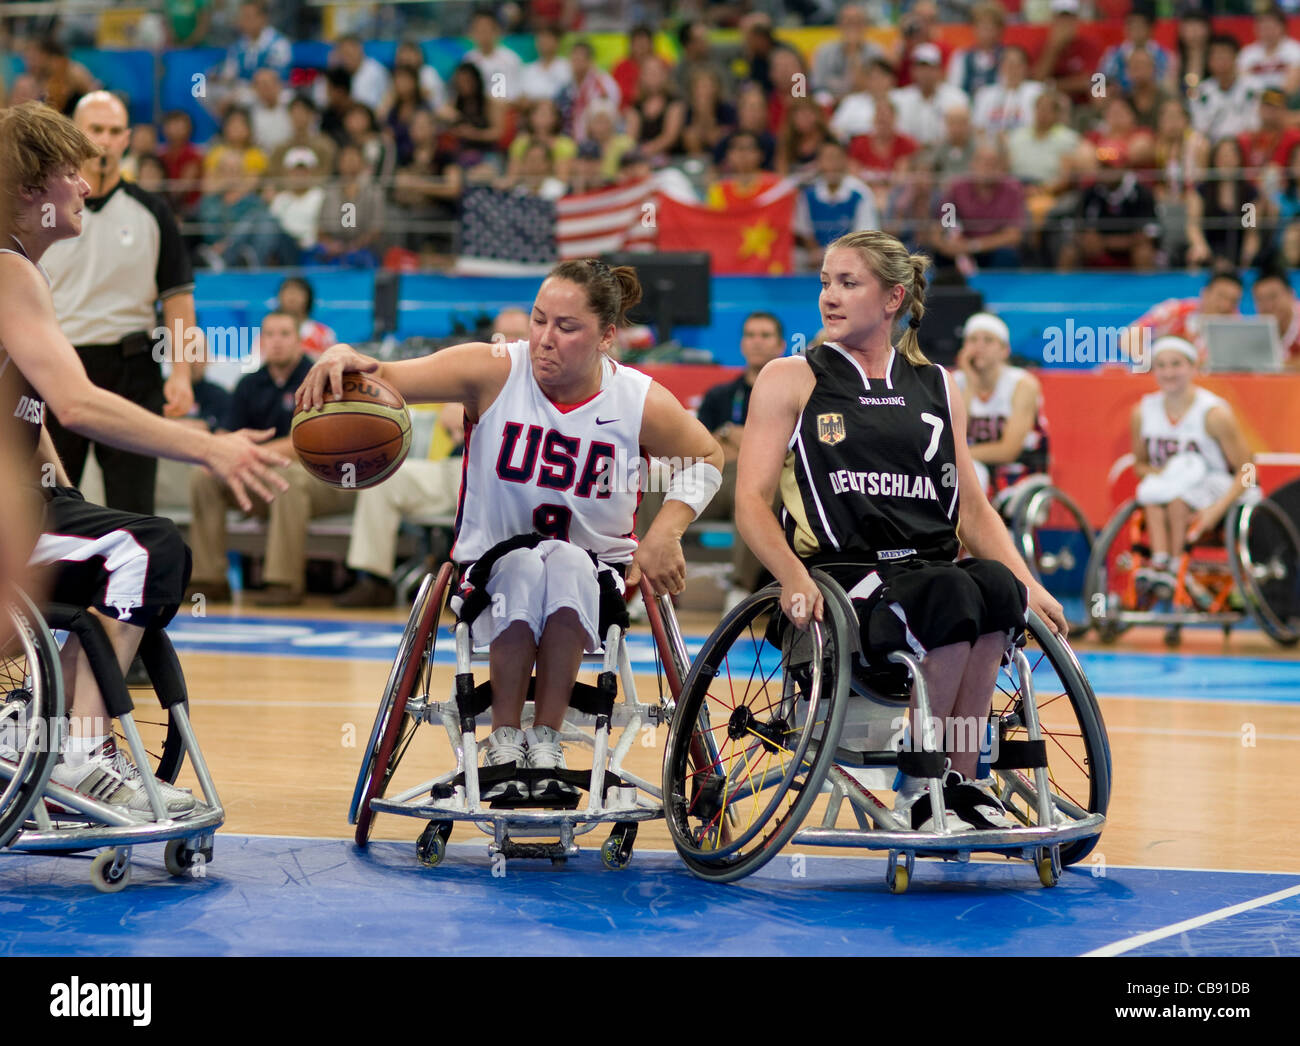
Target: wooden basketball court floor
[1200,853]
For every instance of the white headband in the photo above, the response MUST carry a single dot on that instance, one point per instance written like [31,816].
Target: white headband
[989,324]
[1179,345]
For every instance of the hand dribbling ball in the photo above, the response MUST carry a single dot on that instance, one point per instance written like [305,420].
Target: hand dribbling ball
[357,441]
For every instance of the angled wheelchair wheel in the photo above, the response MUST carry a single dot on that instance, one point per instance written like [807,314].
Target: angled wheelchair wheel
[31,710]
[1056,541]
[1109,586]
[394,727]
[754,735]
[1264,557]
[1078,752]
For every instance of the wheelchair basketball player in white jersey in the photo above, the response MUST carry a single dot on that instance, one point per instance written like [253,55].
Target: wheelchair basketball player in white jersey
[1004,408]
[867,444]
[541,531]
[1190,458]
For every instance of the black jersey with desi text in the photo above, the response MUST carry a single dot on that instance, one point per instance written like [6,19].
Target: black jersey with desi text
[22,411]
[871,473]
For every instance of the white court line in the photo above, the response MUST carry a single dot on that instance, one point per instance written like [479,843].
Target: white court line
[1129,943]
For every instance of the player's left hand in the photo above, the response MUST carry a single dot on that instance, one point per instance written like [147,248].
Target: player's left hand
[1045,606]
[178,396]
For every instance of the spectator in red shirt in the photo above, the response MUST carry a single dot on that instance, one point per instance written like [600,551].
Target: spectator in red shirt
[1119,141]
[183,161]
[1274,297]
[627,73]
[1183,317]
[1068,57]
[883,153]
[1272,143]
[981,216]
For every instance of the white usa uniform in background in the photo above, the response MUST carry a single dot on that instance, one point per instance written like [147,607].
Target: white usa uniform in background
[535,466]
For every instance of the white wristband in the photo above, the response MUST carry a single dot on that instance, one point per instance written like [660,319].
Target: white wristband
[695,485]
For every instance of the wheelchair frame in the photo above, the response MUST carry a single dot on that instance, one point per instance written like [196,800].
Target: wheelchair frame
[1235,574]
[89,824]
[1059,821]
[614,794]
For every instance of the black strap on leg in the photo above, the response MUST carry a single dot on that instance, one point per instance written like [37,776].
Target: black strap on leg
[481,569]
[922,764]
[99,652]
[163,668]
[1020,755]
[470,700]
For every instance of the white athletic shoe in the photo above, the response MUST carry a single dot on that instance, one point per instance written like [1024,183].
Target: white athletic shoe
[110,777]
[546,753]
[505,745]
[915,812]
[978,802]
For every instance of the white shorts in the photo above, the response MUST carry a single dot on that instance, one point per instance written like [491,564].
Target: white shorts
[1185,478]
[531,584]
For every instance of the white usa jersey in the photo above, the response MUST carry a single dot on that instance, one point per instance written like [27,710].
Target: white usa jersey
[986,418]
[1164,439]
[532,466]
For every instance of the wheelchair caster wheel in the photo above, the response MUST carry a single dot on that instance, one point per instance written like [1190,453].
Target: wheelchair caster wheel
[616,850]
[178,857]
[898,877]
[110,872]
[431,847]
[1173,637]
[1048,863]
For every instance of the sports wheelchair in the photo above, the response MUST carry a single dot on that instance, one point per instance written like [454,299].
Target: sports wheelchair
[39,816]
[772,719]
[1055,538]
[1248,567]
[614,792]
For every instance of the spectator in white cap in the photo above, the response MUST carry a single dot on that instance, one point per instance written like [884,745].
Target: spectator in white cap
[1005,427]
[1068,57]
[921,106]
[297,206]
[1190,458]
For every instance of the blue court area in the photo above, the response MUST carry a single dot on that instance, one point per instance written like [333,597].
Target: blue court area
[1157,676]
[278,896]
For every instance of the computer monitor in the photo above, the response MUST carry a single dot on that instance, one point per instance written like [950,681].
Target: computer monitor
[676,289]
[1247,344]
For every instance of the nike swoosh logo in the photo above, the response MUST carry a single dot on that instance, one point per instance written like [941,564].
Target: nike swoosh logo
[606,421]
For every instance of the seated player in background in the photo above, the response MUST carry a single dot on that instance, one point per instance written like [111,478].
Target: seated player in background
[1274,297]
[263,400]
[545,535]
[1006,430]
[1190,458]
[428,486]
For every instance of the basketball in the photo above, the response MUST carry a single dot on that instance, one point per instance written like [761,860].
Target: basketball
[357,441]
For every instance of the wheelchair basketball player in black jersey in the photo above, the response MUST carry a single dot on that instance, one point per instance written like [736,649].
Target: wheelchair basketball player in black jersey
[867,444]
[130,570]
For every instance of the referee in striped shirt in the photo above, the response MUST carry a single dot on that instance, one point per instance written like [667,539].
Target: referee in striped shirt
[107,284]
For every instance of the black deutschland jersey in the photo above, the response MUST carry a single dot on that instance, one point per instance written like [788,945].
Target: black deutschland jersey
[22,411]
[872,469]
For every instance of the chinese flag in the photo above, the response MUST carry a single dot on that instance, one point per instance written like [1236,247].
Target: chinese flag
[744,239]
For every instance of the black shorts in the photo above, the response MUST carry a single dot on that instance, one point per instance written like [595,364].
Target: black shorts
[130,567]
[923,605]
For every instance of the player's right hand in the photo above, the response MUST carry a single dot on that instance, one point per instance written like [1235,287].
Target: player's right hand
[802,600]
[238,461]
[328,373]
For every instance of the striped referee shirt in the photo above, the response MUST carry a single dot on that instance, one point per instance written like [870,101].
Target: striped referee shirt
[107,281]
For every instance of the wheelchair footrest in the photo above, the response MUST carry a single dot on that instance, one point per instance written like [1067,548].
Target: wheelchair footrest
[490,775]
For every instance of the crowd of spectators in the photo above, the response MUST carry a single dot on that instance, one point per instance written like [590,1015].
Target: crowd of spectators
[986,156]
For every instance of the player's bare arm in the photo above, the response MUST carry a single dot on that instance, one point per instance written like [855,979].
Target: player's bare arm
[780,393]
[30,332]
[669,431]
[471,374]
[1141,459]
[1222,425]
[981,529]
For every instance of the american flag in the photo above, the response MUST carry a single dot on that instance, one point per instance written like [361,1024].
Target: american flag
[620,218]
[507,227]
